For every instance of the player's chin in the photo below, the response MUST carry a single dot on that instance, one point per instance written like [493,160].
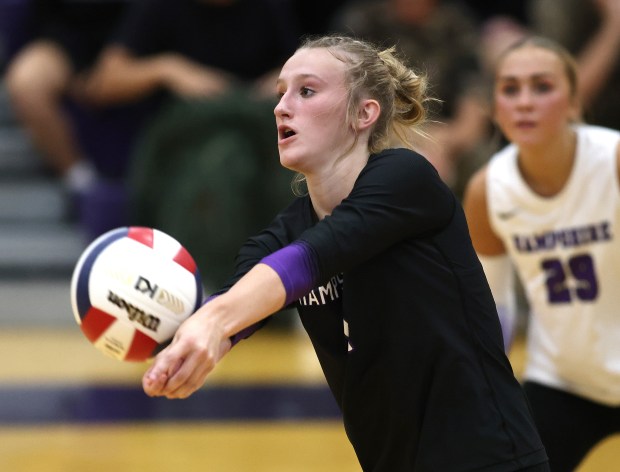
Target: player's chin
[294,159]
[290,161]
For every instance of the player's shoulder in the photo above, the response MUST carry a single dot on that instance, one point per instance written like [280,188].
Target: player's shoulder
[502,166]
[503,155]
[400,154]
[598,143]
[475,190]
[403,177]
[598,132]
[401,163]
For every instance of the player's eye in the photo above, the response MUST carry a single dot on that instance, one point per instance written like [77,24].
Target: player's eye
[306,92]
[542,87]
[509,90]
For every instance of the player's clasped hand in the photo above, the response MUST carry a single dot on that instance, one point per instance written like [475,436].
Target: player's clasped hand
[182,368]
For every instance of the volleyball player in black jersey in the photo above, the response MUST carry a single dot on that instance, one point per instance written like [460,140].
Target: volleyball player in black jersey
[377,258]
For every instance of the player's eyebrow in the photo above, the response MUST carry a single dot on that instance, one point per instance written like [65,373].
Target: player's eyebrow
[514,78]
[305,75]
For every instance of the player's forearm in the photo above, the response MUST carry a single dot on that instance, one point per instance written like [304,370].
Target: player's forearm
[597,60]
[121,78]
[253,298]
[500,276]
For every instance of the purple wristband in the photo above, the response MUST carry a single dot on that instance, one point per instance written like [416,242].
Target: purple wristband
[296,268]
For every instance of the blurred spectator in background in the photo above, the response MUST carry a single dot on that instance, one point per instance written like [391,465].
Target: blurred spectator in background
[517,10]
[590,29]
[16,24]
[209,152]
[497,33]
[61,40]
[442,39]
[316,16]
[195,49]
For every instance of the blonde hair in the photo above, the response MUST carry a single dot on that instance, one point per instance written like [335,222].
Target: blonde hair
[379,74]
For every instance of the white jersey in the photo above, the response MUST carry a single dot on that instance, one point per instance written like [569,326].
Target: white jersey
[566,250]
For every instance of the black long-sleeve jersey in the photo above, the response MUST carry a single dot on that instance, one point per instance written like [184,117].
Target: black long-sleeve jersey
[404,325]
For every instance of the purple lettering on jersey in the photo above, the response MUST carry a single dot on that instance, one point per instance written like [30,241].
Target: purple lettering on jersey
[568,237]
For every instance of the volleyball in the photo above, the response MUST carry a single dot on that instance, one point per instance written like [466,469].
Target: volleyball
[131,289]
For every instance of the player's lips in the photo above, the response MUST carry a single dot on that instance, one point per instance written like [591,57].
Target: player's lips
[525,124]
[285,133]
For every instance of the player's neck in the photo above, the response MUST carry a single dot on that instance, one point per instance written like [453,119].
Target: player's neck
[328,188]
[546,169]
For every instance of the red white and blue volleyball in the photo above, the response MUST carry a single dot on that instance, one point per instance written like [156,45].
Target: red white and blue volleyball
[131,289]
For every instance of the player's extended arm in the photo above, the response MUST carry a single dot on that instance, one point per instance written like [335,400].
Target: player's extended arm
[204,338]
[500,275]
[492,254]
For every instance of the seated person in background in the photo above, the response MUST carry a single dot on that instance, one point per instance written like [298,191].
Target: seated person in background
[213,64]
[590,30]
[194,49]
[65,40]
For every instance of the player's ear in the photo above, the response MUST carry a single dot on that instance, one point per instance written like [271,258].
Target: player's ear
[368,113]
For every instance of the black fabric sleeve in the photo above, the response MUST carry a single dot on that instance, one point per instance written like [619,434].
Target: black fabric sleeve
[399,195]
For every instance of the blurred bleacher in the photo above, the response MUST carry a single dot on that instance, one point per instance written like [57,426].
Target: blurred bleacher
[38,246]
